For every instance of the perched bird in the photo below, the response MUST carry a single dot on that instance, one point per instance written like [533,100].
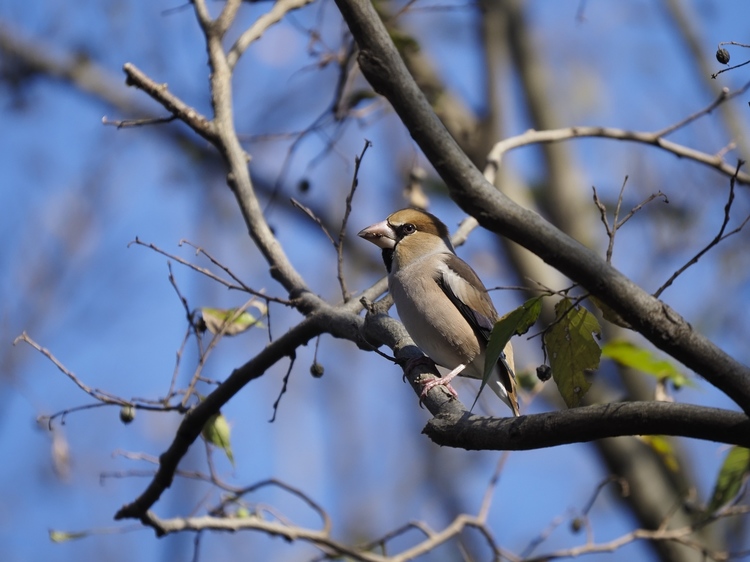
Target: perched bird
[441,301]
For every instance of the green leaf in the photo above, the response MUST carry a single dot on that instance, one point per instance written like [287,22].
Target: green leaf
[217,432]
[630,355]
[218,319]
[572,350]
[516,322]
[731,477]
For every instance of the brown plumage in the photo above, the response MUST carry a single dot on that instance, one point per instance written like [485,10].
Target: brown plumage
[441,301]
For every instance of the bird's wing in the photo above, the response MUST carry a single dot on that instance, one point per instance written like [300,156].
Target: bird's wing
[468,294]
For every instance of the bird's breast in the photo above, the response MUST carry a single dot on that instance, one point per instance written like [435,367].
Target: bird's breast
[433,322]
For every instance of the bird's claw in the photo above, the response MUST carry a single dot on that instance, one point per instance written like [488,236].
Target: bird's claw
[429,385]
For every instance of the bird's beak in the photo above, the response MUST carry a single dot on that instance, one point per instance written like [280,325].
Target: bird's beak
[380,234]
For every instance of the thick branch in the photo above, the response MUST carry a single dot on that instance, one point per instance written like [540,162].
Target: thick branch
[589,423]
[238,178]
[382,66]
[454,426]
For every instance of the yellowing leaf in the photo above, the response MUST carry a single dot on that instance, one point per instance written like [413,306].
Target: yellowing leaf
[572,350]
[242,512]
[630,355]
[217,432]
[63,536]
[229,320]
[731,477]
[663,447]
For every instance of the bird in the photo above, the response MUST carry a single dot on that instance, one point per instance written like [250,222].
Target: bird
[440,300]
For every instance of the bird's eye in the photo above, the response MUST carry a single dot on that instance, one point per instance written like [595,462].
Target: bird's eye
[408,228]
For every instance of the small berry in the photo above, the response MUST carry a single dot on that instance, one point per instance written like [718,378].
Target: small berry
[127,414]
[543,372]
[722,55]
[317,370]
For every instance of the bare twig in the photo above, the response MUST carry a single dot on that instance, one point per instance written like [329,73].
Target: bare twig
[225,325]
[199,123]
[724,96]
[715,74]
[199,250]
[680,535]
[342,232]
[310,214]
[639,206]
[716,240]
[292,359]
[127,123]
[208,273]
[491,486]
[93,392]
[277,12]
[495,156]
[178,360]
[616,223]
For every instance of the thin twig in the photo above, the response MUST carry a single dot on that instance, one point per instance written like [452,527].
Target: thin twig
[494,158]
[199,123]
[212,344]
[724,95]
[292,358]
[605,222]
[680,535]
[491,487]
[208,273]
[716,240]
[93,392]
[640,205]
[126,123]
[277,12]
[309,212]
[617,224]
[715,74]
[199,250]
[178,360]
[342,232]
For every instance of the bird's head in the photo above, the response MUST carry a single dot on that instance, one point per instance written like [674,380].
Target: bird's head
[408,227]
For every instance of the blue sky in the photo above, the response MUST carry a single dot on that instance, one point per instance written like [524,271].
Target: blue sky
[76,193]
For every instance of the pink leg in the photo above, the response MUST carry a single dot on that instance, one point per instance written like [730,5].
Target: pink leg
[443,381]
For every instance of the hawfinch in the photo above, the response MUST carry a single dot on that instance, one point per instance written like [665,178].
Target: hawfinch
[441,301]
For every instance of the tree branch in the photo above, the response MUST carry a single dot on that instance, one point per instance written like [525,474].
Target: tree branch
[589,423]
[715,161]
[384,69]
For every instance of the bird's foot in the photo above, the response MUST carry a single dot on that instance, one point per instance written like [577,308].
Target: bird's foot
[443,381]
[429,385]
[432,383]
